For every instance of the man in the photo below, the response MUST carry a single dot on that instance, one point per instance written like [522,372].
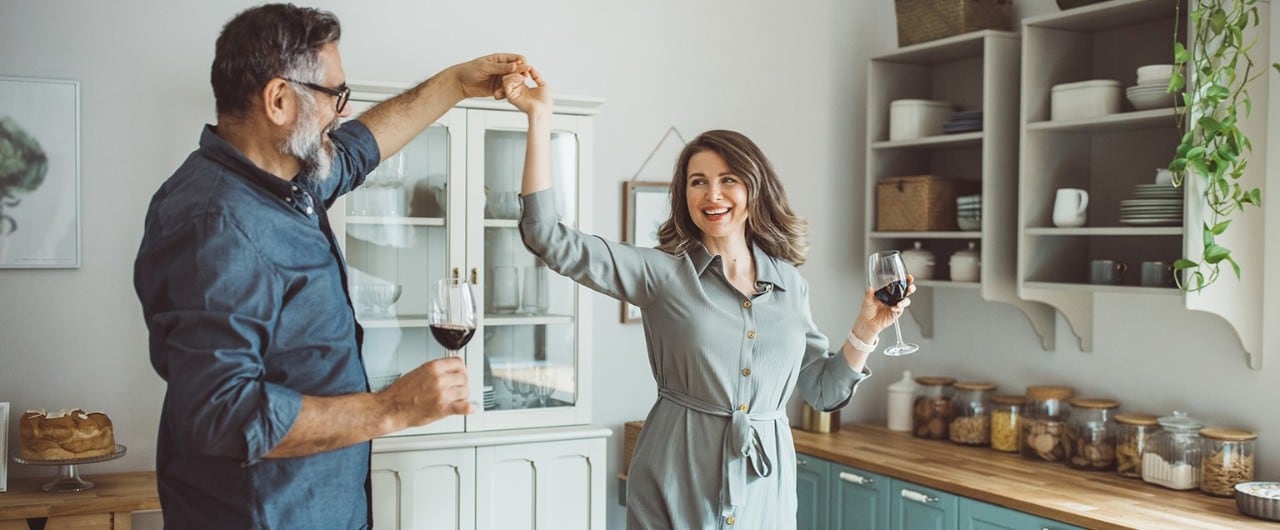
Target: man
[267,416]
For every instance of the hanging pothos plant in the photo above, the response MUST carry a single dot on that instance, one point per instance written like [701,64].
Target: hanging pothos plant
[1213,148]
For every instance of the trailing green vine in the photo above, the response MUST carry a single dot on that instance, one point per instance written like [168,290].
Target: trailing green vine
[1213,147]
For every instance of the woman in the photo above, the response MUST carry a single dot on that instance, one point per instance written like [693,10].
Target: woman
[727,324]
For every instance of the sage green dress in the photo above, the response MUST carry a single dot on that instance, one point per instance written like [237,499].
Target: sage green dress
[716,449]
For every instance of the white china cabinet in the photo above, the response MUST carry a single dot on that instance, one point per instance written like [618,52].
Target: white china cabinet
[447,206]
[1112,156]
[975,73]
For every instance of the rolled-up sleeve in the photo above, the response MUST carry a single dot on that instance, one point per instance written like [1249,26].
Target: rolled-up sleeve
[618,270]
[826,381]
[219,296]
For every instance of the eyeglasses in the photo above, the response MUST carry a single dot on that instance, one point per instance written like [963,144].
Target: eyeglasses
[343,92]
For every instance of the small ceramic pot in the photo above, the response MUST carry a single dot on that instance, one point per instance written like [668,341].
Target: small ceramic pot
[966,265]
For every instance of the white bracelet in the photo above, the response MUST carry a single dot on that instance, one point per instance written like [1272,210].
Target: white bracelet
[862,346]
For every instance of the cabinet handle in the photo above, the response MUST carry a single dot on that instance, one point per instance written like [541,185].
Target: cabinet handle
[918,497]
[456,273]
[802,462]
[475,275]
[856,479]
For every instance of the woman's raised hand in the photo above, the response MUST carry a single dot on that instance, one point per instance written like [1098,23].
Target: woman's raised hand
[526,98]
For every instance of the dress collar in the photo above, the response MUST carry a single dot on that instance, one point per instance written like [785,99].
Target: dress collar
[766,266]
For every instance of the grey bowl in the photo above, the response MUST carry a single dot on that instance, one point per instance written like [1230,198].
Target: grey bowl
[1259,499]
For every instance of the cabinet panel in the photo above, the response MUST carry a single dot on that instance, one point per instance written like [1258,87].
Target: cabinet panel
[977,515]
[859,499]
[812,475]
[424,490]
[541,486]
[915,507]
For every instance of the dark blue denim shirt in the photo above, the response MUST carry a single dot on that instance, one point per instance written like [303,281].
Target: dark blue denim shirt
[243,288]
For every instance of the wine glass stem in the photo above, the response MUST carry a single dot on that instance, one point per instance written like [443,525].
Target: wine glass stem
[897,330]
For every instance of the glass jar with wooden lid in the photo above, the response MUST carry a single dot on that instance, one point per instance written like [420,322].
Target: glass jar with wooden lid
[1226,459]
[1006,415]
[931,411]
[1090,438]
[971,413]
[1172,457]
[1044,422]
[1133,432]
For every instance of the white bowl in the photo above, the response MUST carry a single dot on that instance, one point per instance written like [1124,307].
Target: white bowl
[1149,99]
[1156,70]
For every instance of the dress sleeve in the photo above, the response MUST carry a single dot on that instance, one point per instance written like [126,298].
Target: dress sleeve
[826,381]
[619,270]
[220,299]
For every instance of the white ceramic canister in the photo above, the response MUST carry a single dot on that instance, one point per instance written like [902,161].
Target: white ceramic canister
[917,118]
[919,262]
[1084,99]
[901,396]
[966,265]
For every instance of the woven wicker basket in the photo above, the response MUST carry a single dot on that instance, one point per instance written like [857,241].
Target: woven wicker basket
[919,203]
[926,20]
[631,433]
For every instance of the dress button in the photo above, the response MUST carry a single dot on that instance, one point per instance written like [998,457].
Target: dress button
[730,520]
[751,334]
[747,304]
[742,407]
[746,372]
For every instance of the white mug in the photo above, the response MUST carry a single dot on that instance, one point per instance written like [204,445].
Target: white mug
[1069,208]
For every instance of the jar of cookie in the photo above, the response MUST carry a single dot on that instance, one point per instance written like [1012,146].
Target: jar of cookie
[1091,434]
[1006,415]
[931,410]
[1044,422]
[1226,459]
[1133,432]
[971,413]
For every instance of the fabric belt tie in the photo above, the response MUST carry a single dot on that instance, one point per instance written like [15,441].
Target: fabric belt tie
[742,449]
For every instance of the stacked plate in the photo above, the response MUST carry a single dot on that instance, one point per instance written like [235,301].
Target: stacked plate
[1152,204]
[963,121]
[1151,92]
[490,398]
[969,212]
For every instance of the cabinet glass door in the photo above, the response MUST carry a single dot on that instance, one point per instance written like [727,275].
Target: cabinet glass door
[529,345]
[398,235]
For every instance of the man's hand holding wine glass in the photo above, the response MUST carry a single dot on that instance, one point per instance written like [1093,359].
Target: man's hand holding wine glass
[430,392]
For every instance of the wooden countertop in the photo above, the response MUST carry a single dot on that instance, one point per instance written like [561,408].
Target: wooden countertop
[1097,500]
[112,492]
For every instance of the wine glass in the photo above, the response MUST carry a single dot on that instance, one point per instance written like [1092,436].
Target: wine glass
[887,274]
[453,316]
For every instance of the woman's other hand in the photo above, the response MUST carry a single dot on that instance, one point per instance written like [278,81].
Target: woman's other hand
[875,315]
[530,100]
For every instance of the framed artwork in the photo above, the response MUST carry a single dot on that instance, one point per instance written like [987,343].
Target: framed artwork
[4,447]
[645,205]
[39,173]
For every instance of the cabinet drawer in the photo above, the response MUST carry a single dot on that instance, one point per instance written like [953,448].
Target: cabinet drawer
[95,521]
[978,515]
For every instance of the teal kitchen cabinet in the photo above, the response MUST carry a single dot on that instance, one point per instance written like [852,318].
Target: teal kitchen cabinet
[859,499]
[811,492]
[977,515]
[915,507]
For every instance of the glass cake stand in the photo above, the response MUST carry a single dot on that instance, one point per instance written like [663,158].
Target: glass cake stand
[68,478]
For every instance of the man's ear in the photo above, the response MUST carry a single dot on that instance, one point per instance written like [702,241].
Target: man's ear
[278,102]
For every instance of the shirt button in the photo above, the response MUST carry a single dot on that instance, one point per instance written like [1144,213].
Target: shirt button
[742,407]
[746,372]
[310,210]
[730,520]
[751,334]
[747,304]
[295,188]
[288,199]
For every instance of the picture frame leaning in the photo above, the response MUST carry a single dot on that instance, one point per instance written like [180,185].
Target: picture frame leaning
[39,173]
[645,206]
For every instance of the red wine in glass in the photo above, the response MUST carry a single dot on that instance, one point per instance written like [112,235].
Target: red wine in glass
[887,274]
[451,336]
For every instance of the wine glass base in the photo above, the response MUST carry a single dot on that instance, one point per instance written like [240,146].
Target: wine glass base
[901,349]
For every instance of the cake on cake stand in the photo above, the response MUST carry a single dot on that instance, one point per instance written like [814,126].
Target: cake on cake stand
[68,478]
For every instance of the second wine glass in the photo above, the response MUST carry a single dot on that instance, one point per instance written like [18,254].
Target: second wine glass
[887,274]
[453,316]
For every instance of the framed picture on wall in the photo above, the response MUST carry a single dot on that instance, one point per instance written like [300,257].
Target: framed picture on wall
[39,173]
[645,205]
[4,446]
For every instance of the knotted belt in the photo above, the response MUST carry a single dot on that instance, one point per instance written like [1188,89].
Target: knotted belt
[742,446]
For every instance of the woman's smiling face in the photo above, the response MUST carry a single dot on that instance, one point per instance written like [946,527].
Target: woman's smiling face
[717,198]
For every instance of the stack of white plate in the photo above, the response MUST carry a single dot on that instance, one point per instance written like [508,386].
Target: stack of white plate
[1152,204]
[490,398]
[969,212]
[1151,92]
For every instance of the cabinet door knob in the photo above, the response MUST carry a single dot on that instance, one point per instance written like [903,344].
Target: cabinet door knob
[918,497]
[855,478]
[475,275]
[802,462]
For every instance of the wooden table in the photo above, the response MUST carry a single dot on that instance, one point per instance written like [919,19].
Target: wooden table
[107,506]
[1097,500]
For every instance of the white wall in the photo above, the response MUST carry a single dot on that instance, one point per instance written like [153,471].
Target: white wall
[790,75]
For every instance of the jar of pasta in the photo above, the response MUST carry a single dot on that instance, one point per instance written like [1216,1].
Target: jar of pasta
[1226,459]
[1006,414]
[931,411]
[1133,431]
[971,413]
[1172,458]
[1044,422]
[1091,434]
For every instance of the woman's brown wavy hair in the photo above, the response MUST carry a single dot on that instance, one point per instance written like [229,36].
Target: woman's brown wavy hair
[771,224]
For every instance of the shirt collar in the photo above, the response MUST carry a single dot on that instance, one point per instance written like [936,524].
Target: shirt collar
[219,150]
[766,266]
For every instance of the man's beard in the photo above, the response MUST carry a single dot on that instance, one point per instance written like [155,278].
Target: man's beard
[308,142]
